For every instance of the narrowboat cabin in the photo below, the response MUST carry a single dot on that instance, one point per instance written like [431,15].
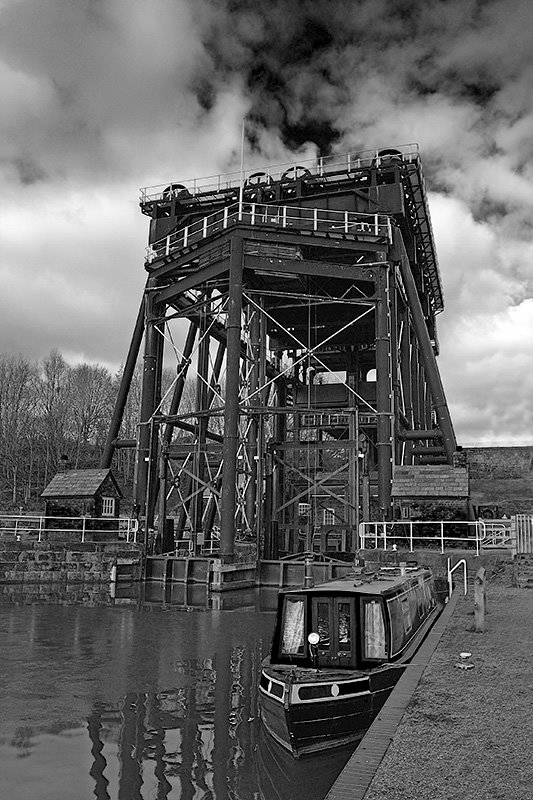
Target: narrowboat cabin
[338,649]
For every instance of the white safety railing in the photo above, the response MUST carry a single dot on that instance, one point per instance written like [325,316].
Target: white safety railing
[522,526]
[289,171]
[497,533]
[309,219]
[29,529]
[411,535]
[450,570]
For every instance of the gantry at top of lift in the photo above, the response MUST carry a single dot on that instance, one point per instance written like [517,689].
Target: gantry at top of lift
[301,300]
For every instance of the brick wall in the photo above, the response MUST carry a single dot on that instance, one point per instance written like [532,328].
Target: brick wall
[499,462]
[430,481]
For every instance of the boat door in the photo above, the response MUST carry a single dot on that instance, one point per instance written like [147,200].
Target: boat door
[333,618]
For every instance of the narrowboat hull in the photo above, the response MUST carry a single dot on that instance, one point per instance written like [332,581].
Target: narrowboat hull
[340,712]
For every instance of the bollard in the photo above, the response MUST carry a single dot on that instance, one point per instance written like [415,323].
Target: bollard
[479,600]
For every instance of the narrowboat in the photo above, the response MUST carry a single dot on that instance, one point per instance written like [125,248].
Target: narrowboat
[338,649]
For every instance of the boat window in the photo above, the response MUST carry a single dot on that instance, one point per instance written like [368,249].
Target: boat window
[293,633]
[322,621]
[374,629]
[397,624]
[407,620]
[345,640]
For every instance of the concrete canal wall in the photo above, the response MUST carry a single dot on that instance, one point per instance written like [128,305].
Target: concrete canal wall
[46,562]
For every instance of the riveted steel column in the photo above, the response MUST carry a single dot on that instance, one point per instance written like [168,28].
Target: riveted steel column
[405,371]
[150,381]
[252,445]
[231,408]
[430,365]
[125,384]
[202,386]
[383,395]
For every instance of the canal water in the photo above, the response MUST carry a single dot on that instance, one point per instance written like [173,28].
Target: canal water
[143,692]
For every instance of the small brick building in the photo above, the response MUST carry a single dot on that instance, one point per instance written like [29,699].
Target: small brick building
[431,492]
[83,493]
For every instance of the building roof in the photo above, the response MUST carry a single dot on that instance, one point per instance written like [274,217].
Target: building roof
[78,483]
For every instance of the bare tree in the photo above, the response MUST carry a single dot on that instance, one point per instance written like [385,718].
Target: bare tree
[89,406]
[52,408]
[18,390]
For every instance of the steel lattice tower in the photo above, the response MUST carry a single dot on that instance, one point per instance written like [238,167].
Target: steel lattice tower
[308,296]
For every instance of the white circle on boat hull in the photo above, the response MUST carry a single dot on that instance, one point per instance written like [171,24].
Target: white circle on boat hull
[335,690]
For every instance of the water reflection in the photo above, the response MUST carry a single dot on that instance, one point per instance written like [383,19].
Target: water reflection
[132,698]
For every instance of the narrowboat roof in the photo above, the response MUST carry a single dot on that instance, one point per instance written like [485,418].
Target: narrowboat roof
[385,580]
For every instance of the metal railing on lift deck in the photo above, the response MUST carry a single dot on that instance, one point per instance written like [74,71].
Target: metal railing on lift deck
[348,163]
[310,219]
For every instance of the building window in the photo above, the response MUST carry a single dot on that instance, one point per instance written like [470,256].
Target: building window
[304,509]
[108,506]
[329,516]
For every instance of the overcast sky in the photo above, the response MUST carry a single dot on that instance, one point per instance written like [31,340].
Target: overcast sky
[101,97]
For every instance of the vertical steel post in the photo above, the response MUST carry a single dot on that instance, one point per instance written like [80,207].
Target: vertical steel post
[253,383]
[406,379]
[150,381]
[383,396]
[202,386]
[231,408]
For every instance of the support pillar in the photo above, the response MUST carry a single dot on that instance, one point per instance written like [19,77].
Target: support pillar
[406,381]
[430,365]
[231,408]
[383,396]
[197,502]
[252,449]
[149,399]
[125,384]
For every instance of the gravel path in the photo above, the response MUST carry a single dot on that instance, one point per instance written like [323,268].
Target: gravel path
[469,734]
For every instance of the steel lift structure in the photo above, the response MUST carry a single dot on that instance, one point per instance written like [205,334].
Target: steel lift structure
[301,302]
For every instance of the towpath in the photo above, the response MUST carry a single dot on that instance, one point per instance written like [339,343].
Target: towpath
[464,734]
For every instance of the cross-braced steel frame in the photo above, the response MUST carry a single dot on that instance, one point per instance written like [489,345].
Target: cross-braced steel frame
[300,307]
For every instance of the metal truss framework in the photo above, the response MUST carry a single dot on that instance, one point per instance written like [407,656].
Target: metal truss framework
[309,332]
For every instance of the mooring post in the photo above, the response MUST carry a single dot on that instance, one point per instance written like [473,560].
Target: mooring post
[479,600]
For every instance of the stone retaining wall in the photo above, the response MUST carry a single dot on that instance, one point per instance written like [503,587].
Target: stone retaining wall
[45,562]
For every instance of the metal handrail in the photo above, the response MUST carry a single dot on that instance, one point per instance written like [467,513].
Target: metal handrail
[25,527]
[451,570]
[383,534]
[314,219]
[348,162]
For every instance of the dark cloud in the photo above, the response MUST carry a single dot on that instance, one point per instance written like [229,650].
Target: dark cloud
[101,96]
